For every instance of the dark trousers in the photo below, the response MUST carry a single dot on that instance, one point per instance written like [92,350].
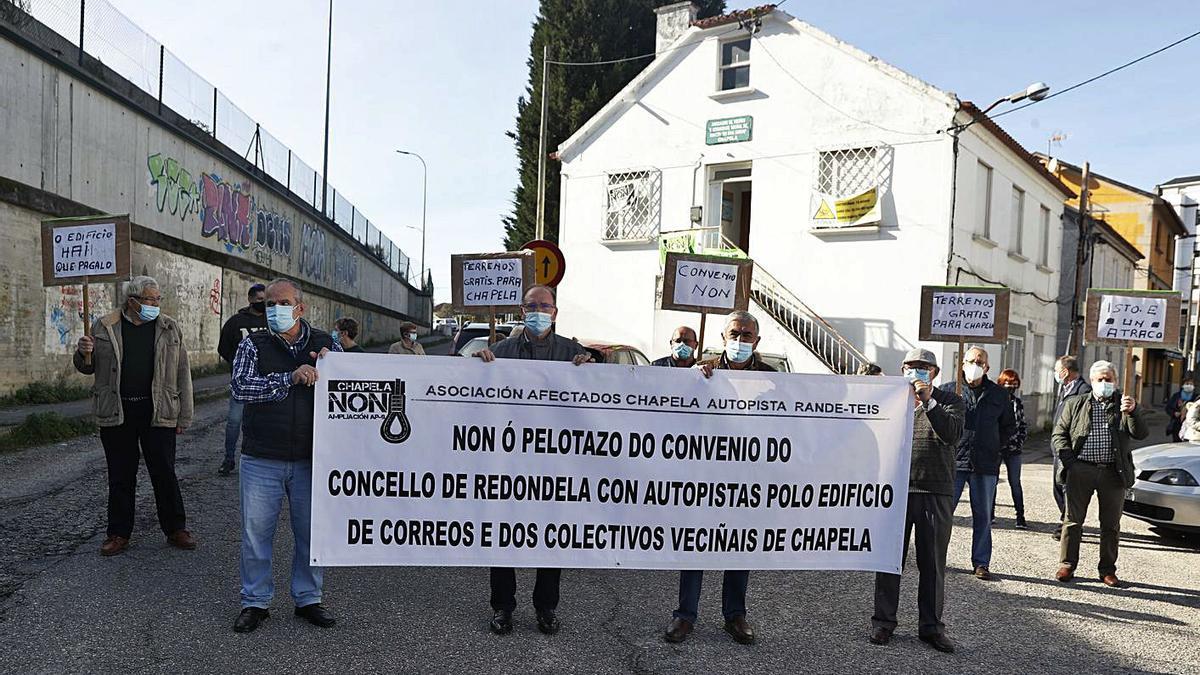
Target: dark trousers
[545,589]
[157,444]
[733,594]
[1012,463]
[1060,496]
[1084,480]
[932,517]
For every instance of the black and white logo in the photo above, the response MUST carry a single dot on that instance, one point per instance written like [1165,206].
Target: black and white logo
[370,400]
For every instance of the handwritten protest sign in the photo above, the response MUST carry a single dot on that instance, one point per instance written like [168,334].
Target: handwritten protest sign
[964,313]
[711,284]
[1133,318]
[79,249]
[443,461]
[490,280]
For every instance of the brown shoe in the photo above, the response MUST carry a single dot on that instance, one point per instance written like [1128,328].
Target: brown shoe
[182,539]
[982,573]
[678,630]
[1111,581]
[114,545]
[1065,574]
[740,630]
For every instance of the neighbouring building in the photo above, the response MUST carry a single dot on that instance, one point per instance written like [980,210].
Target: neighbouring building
[850,183]
[1183,194]
[1149,223]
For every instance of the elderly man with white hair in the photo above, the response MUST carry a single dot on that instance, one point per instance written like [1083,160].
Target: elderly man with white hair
[143,398]
[1092,439]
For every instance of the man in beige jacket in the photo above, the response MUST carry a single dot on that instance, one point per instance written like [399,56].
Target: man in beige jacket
[143,397]
[407,344]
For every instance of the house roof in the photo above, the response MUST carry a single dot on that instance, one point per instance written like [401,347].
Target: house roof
[733,17]
[1003,136]
[1182,180]
[1156,199]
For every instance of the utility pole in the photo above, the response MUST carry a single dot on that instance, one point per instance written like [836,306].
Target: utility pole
[1076,341]
[541,191]
[328,73]
[1189,335]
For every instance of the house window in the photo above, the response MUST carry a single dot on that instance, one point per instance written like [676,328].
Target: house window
[634,205]
[735,64]
[1014,354]
[1018,220]
[849,172]
[984,189]
[1044,249]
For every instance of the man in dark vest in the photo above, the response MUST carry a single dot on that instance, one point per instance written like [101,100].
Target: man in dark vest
[273,375]
[684,350]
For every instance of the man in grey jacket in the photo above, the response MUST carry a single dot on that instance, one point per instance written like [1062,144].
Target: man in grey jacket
[937,426]
[538,342]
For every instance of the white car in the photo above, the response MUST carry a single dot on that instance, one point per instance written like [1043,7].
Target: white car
[1166,492]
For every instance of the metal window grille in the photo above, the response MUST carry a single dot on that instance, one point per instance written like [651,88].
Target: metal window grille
[852,171]
[634,205]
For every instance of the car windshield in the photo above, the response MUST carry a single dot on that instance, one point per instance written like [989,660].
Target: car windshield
[473,347]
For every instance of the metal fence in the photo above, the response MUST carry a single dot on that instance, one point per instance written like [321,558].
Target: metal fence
[113,39]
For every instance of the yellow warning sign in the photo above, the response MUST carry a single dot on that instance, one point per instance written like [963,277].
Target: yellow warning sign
[859,209]
[851,209]
[824,212]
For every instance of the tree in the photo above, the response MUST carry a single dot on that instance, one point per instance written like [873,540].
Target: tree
[576,31]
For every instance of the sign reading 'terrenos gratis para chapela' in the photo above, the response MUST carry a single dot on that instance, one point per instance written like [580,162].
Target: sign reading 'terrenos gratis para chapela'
[967,313]
[490,280]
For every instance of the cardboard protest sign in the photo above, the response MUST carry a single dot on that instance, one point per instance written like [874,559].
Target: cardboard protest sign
[964,314]
[707,284]
[1132,318]
[494,281]
[81,250]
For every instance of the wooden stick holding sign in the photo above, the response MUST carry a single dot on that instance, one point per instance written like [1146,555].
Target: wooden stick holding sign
[491,281]
[961,313]
[706,284]
[1132,319]
[83,250]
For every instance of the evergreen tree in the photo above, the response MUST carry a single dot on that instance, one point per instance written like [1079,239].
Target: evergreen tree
[576,31]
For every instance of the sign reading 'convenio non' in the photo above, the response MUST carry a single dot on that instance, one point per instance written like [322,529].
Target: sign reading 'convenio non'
[729,130]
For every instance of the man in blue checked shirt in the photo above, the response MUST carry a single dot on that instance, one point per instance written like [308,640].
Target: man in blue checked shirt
[273,375]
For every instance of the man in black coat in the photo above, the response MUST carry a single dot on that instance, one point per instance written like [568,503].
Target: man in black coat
[1066,375]
[989,423]
[683,350]
[250,319]
[937,427]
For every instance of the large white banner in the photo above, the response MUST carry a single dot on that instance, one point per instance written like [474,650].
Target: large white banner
[452,461]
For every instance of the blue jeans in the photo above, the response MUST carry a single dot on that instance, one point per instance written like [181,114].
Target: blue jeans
[233,427]
[265,484]
[983,495]
[733,594]
[1012,464]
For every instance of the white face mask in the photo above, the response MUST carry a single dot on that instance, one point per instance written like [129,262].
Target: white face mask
[972,371]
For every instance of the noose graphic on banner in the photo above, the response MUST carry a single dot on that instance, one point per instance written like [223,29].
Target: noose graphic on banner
[395,413]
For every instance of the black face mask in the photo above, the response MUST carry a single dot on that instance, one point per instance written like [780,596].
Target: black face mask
[260,307]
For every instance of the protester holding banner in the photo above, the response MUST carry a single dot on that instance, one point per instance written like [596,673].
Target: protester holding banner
[1010,454]
[937,427]
[1092,439]
[741,337]
[1175,407]
[683,349]
[345,333]
[1066,374]
[273,375]
[538,342]
[250,319]
[143,397]
[989,425]
[407,344]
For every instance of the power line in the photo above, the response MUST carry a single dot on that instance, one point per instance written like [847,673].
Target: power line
[1101,75]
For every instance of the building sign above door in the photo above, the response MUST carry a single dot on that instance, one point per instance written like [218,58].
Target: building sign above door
[729,130]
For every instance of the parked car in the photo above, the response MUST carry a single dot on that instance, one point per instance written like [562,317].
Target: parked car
[473,330]
[777,361]
[1166,489]
[612,352]
[474,346]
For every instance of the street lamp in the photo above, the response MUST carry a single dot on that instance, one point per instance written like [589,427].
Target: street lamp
[1034,92]
[424,200]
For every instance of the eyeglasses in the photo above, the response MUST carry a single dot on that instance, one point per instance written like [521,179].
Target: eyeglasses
[147,299]
[538,307]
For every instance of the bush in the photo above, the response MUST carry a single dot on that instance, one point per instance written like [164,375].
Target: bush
[43,428]
[36,393]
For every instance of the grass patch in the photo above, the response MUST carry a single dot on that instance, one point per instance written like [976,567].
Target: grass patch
[36,393]
[43,428]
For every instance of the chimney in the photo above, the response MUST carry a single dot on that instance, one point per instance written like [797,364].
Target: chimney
[673,20]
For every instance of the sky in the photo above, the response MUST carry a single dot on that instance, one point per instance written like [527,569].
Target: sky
[442,79]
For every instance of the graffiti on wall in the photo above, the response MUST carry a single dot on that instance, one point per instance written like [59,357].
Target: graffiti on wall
[214,297]
[312,252]
[175,190]
[345,268]
[225,212]
[64,314]
[273,233]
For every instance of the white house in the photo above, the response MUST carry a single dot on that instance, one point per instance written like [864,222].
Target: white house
[1183,194]
[837,173]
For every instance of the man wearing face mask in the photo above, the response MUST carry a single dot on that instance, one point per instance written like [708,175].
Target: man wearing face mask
[1176,411]
[989,424]
[345,333]
[1092,439]
[1066,374]
[741,338]
[407,344]
[273,375]
[683,350]
[143,398]
[249,319]
[538,342]
[937,426]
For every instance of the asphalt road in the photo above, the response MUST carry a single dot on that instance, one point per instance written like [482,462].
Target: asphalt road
[63,608]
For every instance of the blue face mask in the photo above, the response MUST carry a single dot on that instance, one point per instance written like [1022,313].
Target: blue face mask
[681,351]
[280,319]
[538,322]
[738,351]
[333,335]
[1185,395]
[918,374]
[1103,389]
[147,312]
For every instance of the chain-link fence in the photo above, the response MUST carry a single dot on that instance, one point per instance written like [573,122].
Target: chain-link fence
[110,37]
